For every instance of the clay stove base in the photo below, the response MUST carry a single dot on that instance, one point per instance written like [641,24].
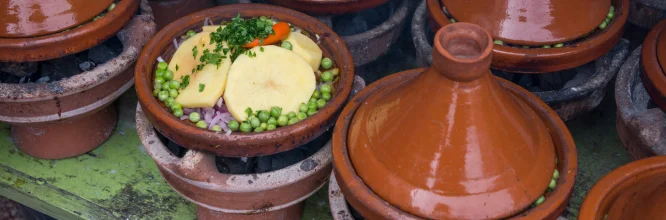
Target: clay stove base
[66,138]
[289,213]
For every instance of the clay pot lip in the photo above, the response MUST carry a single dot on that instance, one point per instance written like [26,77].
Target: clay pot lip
[652,72]
[598,196]
[32,92]
[329,6]
[207,177]
[53,43]
[542,60]
[357,193]
[240,144]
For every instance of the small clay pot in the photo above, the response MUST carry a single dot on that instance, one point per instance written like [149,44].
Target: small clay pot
[653,59]
[275,195]
[540,60]
[167,11]
[72,116]
[423,178]
[329,6]
[37,44]
[241,144]
[634,191]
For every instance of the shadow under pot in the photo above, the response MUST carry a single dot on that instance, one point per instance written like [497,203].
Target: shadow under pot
[167,11]
[440,154]
[641,121]
[634,191]
[57,91]
[571,90]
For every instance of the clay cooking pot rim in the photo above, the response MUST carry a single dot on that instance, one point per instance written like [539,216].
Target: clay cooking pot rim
[653,74]
[544,60]
[330,6]
[241,144]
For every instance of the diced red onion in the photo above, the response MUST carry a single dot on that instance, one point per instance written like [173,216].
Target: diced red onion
[214,121]
[187,111]
[228,132]
[159,59]
[184,117]
[208,114]
[219,102]
[175,43]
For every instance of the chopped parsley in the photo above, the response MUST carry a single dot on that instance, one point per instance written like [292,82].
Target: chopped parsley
[249,112]
[201,87]
[260,49]
[176,67]
[195,51]
[241,31]
[211,58]
[185,82]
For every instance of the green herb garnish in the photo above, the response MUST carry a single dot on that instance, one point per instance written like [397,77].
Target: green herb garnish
[240,32]
[185,82]
[201,87]
[195,51]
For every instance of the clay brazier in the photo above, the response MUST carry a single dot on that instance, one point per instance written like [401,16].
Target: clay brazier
[439,143]
[653,62]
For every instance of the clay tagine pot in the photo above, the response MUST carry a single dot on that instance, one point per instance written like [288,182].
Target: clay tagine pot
[634,191]
[35,30]
[242,144]
[72,116]
[439,143]
[646,13]
[653,62]
[563,26]
[167,11]
[329,6]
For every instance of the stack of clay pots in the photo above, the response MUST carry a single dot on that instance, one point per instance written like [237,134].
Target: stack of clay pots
[421,144]
[74,115]
[272,195]
[572,46]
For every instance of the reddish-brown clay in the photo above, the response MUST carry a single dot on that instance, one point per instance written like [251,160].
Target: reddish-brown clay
[65,42]
[167,11]
[653,61]
[239,144]
[329,6]
[399,155]
[634,191]
[540,60]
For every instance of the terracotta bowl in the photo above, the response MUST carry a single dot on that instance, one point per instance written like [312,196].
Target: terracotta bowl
[540,60]
[239,144]
[653,58]
[72,116]
[71,41]
[634,191]
[167,11]
[275,195]
[371,206]
[329,6]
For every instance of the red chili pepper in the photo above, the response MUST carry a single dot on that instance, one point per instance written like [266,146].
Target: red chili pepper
[280,32]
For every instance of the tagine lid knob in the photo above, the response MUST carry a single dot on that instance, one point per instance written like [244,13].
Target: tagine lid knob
[32,18]
[452,143]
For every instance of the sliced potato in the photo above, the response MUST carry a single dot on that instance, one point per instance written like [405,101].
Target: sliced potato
[184,57]
[213,79]
[306,49]
[212,28]
[274,77]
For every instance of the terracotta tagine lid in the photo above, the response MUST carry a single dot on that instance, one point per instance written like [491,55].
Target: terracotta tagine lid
[329,6]
[452,139]
[653,64]
[37,30]
[634,191]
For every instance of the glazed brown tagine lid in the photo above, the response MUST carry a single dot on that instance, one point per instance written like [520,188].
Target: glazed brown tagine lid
[37,30]
[536,36]
[653,64]
[329,6]
[453,142]
[634,191]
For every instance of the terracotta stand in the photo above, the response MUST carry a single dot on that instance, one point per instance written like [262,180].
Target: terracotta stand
[167,11]
[72,116]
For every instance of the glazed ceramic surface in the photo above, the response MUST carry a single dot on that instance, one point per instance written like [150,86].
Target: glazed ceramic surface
[653,61]
[239,144]
[329,6]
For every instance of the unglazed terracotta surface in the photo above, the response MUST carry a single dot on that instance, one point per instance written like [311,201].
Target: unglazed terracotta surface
[241,144]
[329,6]
[634,191]
[167,11]
[531,22]
[29,18]
[653,61]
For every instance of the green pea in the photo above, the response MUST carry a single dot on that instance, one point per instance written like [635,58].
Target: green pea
[264,116]
[316,94]
[169,101]
[603,25]
[291,114]
[526,47]
[175,106]
[233,125]
[292,121]
[216,128]
[452,20]
[159,73]
[326,88]
[311,112]
[611,12]
[163,95]
[159,80]
[258,129]
[303,107]
[552,184]
[276,112]
[245,127]
[326,63]
[539,201]
[271,127]
[312,100]
[168,75]
[255,122]
[174,84]
[326,96]
[191,33]
[334,71]
[156,91]
[546,46]
[321,103]
[165,86]
[286,45]
[556,174]
[558,45]
[202,124]
[272,121]
[162,66]
[178,112]
[195,117]
[312,105]
[282,120]
[301,116]
[111,7]
[327,76]
[173,93]
[498,42]
[157,86]
[263,125]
